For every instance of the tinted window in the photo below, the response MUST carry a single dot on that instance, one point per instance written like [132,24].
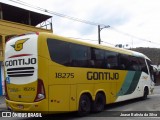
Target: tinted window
[111,59]
[150,69]
[80,55]
[127,62]
[123,61]
[142,64]
[68,54]
[59,51]
[133,64]
[97,58]
[75,55]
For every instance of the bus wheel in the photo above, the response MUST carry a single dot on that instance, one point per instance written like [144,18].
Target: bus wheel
[145,93]
[84,105]
[99,103]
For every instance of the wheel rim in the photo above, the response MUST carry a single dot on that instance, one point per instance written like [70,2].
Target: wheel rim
[84,105]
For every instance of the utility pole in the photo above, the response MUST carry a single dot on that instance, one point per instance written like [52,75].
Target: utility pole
[99,30]
[99,36]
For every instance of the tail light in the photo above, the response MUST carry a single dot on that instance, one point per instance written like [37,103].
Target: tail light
[40,91]
[37,33]
[6,92]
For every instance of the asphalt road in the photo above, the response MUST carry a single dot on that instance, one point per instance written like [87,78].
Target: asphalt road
[145,108]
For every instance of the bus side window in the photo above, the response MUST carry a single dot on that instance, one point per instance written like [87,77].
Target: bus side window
[134,65]
[98,58]
[151,70]
[59,51]
[111,59]
[142,64]
[79,55]
[123,61]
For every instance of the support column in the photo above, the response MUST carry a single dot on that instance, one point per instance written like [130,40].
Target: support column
[3,45]
[1,12]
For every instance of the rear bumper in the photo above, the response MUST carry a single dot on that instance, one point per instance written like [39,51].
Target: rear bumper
[41,106]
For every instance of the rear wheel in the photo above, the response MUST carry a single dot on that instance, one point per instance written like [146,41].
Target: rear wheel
[99,103]
[84,105]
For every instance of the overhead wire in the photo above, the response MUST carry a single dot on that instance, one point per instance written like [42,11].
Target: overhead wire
[81,20]
[142,39]
[57,14]
[90,40]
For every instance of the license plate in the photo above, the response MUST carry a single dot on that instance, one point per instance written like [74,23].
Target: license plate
[20,106]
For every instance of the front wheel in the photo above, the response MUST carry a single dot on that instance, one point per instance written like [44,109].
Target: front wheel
[145,94]
[84,105]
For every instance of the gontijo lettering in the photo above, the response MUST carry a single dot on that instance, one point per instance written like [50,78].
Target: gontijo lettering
[20,62]
[102,76]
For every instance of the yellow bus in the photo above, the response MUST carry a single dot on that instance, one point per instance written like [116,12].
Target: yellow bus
[51,73]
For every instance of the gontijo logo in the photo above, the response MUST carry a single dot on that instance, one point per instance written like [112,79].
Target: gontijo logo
[19,44]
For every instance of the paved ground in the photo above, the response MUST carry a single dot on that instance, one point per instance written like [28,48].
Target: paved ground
[151,104]
[2,103]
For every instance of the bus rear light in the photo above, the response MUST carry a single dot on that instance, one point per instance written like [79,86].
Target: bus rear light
[41,96]
[6,92]
[37,33]
[40,91]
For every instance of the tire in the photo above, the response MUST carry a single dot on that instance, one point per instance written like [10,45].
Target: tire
[99,103]
[145,94]
[84,105]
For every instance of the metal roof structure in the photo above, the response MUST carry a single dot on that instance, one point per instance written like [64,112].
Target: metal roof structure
[17,19]
[22,15]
